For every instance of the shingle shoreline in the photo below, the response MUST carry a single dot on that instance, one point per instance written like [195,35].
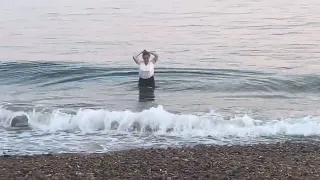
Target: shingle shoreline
[287,160]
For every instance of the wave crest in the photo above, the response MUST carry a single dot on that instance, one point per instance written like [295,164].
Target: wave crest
[158,121]
[213,80]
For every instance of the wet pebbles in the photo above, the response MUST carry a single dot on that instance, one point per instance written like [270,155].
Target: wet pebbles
[274,161]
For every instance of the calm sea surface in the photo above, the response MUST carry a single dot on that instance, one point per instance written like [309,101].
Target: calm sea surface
[228,73]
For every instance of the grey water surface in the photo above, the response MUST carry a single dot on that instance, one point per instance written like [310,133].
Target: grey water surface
[228,73]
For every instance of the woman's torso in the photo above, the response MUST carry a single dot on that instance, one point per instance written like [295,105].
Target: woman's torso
[146,71]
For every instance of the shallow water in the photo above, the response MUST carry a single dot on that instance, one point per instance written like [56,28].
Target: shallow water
[229,73]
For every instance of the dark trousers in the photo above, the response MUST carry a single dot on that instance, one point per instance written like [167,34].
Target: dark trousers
[147,82]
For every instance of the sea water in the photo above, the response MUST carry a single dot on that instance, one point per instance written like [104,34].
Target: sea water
[228,73]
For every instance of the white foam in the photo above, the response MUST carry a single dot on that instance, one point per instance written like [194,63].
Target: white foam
[161,122]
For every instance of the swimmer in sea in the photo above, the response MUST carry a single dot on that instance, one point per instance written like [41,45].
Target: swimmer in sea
[146,68]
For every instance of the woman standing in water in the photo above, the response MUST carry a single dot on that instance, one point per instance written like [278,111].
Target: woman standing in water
[146,68]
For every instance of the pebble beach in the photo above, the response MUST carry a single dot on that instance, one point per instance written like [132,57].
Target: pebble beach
[287,160]
[236,90]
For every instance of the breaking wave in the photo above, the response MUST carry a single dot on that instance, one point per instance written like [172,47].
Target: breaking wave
[158,121]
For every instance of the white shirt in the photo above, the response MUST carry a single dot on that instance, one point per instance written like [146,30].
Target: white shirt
[146,71]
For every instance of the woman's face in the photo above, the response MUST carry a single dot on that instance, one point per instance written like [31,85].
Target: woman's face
[146,58]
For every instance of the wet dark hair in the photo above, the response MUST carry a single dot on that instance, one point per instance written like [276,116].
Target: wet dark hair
[145,53]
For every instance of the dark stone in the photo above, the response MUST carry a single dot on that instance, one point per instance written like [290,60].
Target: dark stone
[19,121]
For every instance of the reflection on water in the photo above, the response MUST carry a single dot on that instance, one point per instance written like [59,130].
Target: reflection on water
[146,94]
[221,34]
